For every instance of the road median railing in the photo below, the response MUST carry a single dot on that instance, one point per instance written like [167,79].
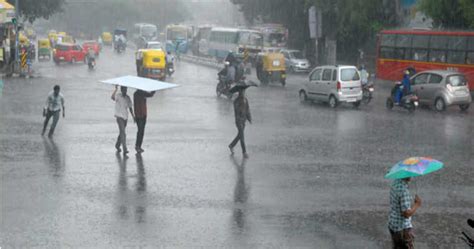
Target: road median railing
[209,62]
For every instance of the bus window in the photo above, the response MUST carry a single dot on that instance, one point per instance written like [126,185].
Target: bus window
[420,47]
[438,42]
[403,46]
[387,53]
[388,40]
[438,56]
[457,43]
[456,57]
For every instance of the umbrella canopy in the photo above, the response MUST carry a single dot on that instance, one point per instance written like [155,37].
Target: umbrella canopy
[140,83]
[414,166]
[242,86]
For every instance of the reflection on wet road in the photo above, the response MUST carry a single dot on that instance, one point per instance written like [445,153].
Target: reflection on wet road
[314,178]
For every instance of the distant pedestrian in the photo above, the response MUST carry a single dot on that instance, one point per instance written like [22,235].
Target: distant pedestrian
[140,107]
[123,104]
[242,114]
[401,211]
[54,102]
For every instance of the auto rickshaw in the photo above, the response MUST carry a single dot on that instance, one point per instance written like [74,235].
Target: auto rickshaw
[107,38]
[120,40]
[271,68]
[44,49]
[151,63]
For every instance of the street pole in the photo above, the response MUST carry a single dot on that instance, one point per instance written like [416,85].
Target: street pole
[17,49]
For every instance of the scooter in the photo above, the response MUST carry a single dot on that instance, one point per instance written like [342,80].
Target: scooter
[367,91]
[409,101]
[170,69]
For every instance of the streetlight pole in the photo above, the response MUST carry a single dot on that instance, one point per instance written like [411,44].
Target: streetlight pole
[17,52]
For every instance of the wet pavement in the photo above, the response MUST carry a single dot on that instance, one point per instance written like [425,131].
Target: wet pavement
[314,178]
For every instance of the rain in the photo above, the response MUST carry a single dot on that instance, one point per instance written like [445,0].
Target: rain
[236,124]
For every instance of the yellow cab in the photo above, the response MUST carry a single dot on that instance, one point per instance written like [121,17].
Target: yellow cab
[271,67]
[151,63]
[107,38]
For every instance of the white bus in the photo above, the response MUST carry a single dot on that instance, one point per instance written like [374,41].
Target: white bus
[223,40]
[144,32]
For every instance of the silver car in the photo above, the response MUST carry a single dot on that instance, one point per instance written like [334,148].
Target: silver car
[333,84]
[295,61]
[441,88]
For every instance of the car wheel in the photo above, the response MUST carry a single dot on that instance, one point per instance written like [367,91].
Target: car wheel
[464,107]
[303,96]
[440,105]
[332,101]
[356,104]
[389,104]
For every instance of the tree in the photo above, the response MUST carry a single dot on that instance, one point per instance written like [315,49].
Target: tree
[30,10]
[449,13]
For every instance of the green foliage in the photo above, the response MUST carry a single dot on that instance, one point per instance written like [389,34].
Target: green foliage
[31,10]
[449,13]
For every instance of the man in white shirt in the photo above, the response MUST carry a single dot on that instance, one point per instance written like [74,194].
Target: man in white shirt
[123,104]
[54,102]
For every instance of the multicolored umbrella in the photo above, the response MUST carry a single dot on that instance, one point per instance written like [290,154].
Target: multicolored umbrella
[414,166]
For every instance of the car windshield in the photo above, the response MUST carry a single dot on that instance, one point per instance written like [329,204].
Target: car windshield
[275,38]
[457,80]
[349,74]
[297,55]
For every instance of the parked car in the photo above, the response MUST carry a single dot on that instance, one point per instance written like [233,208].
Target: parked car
[295,61]
[91,44]
[333,84]
[68,53]
[440,88]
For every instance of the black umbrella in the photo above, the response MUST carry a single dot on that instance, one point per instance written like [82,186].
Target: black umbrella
[242,86]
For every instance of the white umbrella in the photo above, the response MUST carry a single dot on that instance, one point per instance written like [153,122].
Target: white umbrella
[140,83]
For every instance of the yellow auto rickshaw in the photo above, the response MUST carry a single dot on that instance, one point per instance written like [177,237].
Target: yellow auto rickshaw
[271,68]
[44,49]
[23,39]
[151,63]
[107,38]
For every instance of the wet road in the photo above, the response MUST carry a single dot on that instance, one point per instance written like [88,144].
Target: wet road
[314,178]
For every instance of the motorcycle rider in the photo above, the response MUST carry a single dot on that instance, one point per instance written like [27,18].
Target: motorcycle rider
[364,76]
[169,61]
[90,56]
[404,88]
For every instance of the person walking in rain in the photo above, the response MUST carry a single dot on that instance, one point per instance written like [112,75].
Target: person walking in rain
[123,104]
[140,107]
[401,211]
[54,102]
[242,115]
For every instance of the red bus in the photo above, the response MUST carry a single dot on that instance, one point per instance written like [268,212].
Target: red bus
[425,50]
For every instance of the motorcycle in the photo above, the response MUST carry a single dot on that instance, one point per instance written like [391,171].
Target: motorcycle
[170,69]
[91,63]
[409,101]
[120,47]
[367,91]
[223,88]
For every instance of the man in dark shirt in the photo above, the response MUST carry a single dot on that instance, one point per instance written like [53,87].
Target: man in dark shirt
[139,100]
[242,114]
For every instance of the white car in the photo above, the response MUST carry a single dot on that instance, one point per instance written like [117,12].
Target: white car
[333,84]
[153,45]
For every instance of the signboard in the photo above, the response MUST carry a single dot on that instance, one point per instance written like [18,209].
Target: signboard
[315,22]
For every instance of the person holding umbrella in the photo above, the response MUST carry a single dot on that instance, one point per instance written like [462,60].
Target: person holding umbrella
[402,207]
[242,114]
[123,104]
[140,108]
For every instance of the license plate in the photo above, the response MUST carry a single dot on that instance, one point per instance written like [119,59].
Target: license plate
[351,100]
